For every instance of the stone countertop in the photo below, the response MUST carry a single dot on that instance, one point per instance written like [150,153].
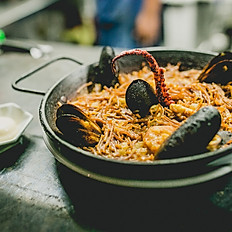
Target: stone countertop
[32,196]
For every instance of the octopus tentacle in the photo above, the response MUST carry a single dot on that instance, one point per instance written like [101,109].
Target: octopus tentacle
[161,89]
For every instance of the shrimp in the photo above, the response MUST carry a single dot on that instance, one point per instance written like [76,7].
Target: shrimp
[156,135]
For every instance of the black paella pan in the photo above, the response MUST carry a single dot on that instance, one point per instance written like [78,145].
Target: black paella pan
[169,173]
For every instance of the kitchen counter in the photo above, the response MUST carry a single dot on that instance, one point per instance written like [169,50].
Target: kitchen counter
[32,194]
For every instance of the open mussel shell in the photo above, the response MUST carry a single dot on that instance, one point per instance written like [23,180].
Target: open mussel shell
[76,127]
[193,136]
[140,96]
[102,72]
[70,109]
[220,57]
[218,70]
[220,73]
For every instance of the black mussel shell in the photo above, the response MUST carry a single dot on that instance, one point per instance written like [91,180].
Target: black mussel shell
[76,127]
[220,73]
[193,136]
[220,57]
[72,131]
[140,96]
[70,109]
[218,70]
[102,72]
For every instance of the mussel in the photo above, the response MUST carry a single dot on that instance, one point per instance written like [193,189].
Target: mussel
[76,127]
[218,70]
[193,136]
[140,96]
[101,72]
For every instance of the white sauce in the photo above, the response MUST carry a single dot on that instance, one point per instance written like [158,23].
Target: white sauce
[7,128]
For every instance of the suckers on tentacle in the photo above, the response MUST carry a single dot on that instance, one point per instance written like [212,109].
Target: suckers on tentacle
[161,89]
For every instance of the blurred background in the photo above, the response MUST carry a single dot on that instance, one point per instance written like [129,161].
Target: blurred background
[187,24]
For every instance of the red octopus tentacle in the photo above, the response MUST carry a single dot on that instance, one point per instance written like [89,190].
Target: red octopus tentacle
[161,89]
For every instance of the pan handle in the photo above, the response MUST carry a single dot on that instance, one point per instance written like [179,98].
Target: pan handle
[23,77]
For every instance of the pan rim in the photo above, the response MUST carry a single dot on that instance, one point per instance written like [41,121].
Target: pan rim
[144,183]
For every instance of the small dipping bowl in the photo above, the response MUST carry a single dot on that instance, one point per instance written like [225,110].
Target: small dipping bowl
[13,122]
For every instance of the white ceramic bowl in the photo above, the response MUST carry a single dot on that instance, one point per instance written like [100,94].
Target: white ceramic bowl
[13,122]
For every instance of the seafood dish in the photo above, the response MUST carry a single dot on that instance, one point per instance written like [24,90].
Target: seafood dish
[152,113]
